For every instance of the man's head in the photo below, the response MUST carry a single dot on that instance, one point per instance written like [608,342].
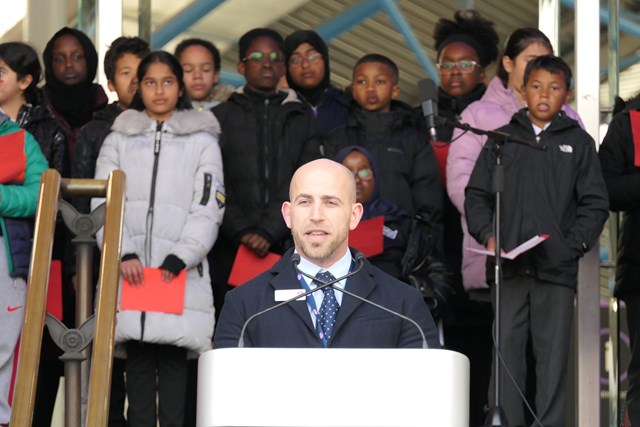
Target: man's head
[200,61]
[121,64]
[261,59]
[547,82]
[322,210]
[375,82]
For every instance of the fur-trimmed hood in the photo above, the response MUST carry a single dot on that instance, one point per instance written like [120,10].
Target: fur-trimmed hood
[181,122]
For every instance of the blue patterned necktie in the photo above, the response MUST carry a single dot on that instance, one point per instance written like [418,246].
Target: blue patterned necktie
[328,310]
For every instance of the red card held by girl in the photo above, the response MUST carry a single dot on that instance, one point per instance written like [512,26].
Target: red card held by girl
[155,294]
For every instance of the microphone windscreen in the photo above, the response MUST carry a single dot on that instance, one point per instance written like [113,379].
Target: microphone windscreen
[295,259]
[427,90]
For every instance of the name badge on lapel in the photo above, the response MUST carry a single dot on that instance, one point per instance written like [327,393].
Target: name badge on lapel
[285,294]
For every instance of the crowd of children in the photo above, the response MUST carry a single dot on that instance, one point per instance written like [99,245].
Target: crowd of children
[208,169]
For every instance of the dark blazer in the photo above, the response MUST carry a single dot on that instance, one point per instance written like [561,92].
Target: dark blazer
[358,325]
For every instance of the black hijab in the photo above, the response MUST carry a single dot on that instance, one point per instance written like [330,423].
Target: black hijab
[295,39]
[76,103]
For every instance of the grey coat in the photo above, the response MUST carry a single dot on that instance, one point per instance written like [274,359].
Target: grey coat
[187,193]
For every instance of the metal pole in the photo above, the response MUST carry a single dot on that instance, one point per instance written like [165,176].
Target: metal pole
[614,311]
[100,378]
[587,41]
[144,20]
[29,359]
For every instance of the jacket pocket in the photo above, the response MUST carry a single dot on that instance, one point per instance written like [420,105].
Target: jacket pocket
[206,191]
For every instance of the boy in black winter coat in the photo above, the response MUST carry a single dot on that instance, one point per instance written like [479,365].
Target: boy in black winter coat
[560,192]
[266,134]
[120,65]
[388,130]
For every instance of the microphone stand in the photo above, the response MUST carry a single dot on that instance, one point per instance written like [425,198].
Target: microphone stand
[496,416]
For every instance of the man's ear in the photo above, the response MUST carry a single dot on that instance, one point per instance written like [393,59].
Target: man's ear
[356,214]
[286,213]
[111,86]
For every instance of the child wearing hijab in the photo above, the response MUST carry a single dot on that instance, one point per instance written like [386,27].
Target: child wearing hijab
[71,63]
[308,74]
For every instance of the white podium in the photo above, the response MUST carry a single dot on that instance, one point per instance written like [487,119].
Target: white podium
[363,387]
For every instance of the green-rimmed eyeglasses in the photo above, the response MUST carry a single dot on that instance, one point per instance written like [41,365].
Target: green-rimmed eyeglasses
[363,174]
[297,59]
[465,67]
[261,57]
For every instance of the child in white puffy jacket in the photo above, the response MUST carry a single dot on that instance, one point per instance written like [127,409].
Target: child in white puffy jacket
[174,207]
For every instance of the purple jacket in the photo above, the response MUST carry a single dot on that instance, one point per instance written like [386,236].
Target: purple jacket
[493,110]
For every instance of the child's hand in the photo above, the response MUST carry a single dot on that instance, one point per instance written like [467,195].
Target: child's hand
[132,271]
[491,244]
[167,276]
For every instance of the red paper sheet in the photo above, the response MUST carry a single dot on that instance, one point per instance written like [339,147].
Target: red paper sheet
[54,290]
[155,294]
[367,237]
[13,160]
[248,265]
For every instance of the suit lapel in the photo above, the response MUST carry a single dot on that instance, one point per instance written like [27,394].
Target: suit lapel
[286,278]
[360,284]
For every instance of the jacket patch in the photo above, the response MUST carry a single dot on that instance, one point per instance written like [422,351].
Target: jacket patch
[387,232]
[566,148]
[206,191]
[220,194]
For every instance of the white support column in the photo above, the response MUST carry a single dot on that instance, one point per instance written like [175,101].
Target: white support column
[42,20]
[549,21]
[109,27]
[587,41]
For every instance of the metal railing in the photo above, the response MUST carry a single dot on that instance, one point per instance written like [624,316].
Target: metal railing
[51,185]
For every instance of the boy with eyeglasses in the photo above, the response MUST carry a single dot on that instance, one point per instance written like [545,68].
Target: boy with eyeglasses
[307,58]
[266,135]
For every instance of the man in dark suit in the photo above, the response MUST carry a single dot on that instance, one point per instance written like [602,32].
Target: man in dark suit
[320,214]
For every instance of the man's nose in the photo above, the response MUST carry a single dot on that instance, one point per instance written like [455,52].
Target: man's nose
[317,212]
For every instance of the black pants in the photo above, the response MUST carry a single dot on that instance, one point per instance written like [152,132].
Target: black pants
[155,368]
[542,311]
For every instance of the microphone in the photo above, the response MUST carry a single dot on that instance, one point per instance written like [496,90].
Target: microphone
[429,99]
[295,259]
[360,259]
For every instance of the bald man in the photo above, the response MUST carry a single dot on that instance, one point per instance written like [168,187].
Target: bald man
[321,211]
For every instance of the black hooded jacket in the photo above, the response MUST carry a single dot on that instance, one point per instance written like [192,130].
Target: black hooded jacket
[264,139]
[408,168]
[329,104]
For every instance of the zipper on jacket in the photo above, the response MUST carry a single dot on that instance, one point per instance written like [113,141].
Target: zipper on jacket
[149,220]
[152,195]
[266,152]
